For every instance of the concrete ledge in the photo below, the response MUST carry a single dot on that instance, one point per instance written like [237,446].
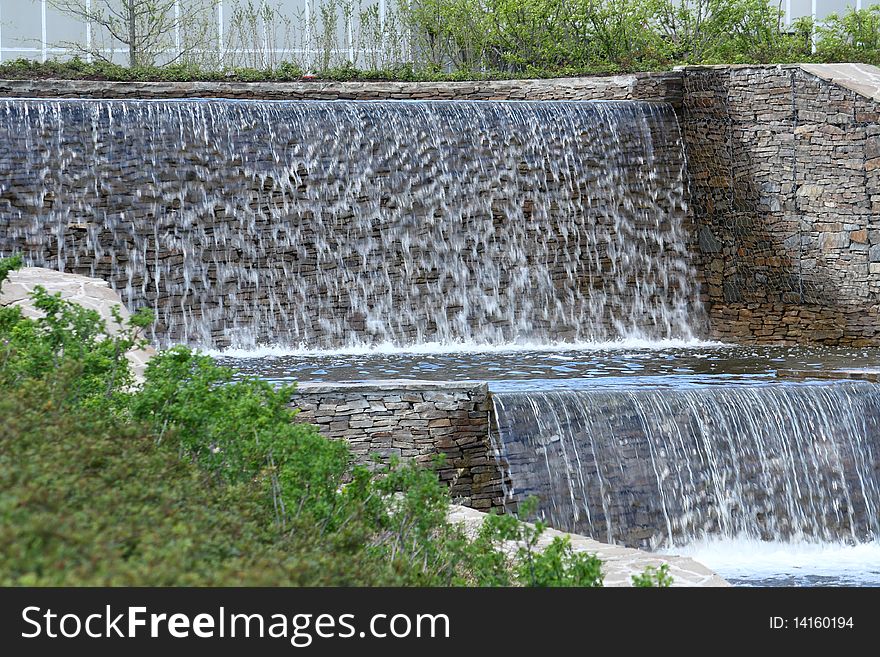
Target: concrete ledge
[620,563]
[864,79]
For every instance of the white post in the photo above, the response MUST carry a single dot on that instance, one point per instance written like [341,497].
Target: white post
[269,58]
[382,11]
[308,43]
[220,29]
[88,31]
[43,26]
[788,12]
[351,40]
[813,14]
[1,31]
[177,28]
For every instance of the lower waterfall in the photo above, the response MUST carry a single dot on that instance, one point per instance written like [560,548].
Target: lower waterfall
[663,467]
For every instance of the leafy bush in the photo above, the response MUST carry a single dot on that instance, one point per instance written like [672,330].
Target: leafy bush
[554,566]
[855,36]
[587,35]
[66,333]
[653,577]
[89,501]
[487,39]
[201,478]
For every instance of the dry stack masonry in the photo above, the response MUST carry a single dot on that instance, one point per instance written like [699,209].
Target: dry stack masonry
[413,420]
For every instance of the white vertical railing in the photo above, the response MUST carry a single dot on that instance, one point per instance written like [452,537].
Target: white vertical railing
[308,15]
[264,9]
[220,30]
[44,54]
[177,28]
[14,42]
[814,13]
[350,36]
[89,33]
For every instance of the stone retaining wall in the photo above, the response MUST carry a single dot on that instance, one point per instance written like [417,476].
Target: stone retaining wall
[665,87]
[413,420]
[784,164]
[785,189]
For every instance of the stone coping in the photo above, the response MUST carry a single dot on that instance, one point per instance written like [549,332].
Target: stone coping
[735,67]
[864,79]
[385,385]
[619,563]
[647,85]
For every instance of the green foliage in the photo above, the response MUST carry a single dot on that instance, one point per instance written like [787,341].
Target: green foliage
[653,577]
[588,35]
[534,35]
[88,501]
[854,37]
[66,334]
[242,431]
[201,477]
[557,565]
[78,69]
[7,265]
[437,40]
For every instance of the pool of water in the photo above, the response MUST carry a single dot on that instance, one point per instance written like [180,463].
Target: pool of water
[768,563]
[514,367]
[611,365]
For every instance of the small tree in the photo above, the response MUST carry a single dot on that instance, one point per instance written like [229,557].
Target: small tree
[147,28]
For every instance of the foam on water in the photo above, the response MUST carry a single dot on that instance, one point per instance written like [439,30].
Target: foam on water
[442,348]
[751,562]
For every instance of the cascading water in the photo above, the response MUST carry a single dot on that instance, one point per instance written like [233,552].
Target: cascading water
[424,226]
[335,224]
[656,467]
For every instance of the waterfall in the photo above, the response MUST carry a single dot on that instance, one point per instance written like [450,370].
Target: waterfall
[345,223]
[662,467]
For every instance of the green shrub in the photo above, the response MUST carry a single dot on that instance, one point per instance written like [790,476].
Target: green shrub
[433,40]
[653,577]
[86,501]
[199,477]
[556,565]
[855,36]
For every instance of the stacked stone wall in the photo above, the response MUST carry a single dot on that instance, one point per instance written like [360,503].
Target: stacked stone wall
[412,420]
[785,190]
